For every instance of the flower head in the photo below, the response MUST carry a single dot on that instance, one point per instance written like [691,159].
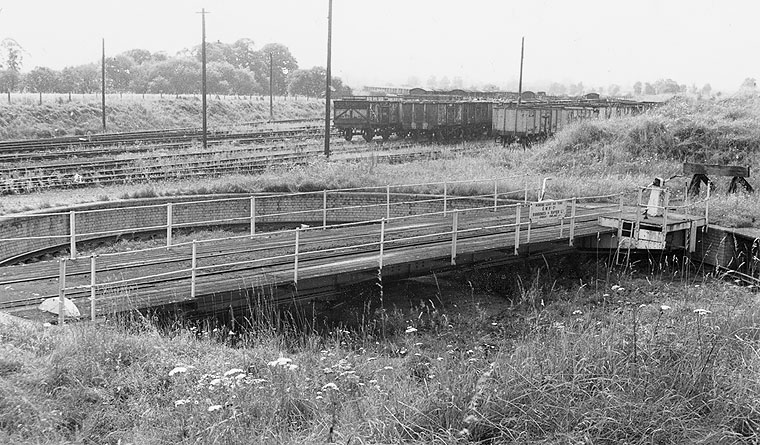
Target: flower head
[177,370]
[664,307]
[410,330]
[213,408]
[702,311]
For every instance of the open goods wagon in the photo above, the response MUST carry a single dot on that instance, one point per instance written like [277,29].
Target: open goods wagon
[532,122]
[436,119]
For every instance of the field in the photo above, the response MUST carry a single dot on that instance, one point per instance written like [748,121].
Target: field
[562,351]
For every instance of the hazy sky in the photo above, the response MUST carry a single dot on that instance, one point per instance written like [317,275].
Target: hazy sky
[388,41]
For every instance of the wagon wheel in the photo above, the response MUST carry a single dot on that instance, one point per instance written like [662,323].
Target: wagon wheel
[368,134]
[349,134]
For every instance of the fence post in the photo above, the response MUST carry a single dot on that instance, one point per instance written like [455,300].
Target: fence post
[707,207]
[572,221]
[324,208]
[454,230]
[92,286]
[61,290]
[168,224]
[517,228]
[526,189]
[445,198]
[295,257]
[495,194]
[72,234]
[382,244]
[193,264]
[620,218]
[666,202]
[253,215]
[387,202]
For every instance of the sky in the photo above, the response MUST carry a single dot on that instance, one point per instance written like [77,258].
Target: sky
[386,42]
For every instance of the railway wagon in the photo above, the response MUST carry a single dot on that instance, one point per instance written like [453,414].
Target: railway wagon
[415,117]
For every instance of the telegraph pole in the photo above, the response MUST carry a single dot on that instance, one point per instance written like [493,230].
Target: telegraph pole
[203,75]
[271,83]
[103,84]
[328,82]
[519,87]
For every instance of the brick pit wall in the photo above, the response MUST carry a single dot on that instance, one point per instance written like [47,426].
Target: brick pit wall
[150,215]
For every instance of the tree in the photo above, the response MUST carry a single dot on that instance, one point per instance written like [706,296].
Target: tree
[557,89]
[649,88]
[119,72]
[80,79]
[706,89]
[444,84]
[283,64]
[13,62]
[748,84]
[666,86]
[613,90]
[311,83]
[41,80]
[637,88]
[432,82]
[139,56]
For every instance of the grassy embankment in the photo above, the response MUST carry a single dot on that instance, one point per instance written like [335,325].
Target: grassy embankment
[590,355]
[29,120]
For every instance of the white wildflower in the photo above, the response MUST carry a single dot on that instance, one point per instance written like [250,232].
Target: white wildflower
[233,371]
[177,370]
[215,382]
[213,408]
[702,312]
[664,307]
[410,330]
[330,387]
[181,402]
[282,361]
[577,312]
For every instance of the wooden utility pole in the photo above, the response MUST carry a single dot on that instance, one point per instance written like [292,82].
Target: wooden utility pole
[328,81]
[519,86]
[203,75]
[103,84]
[271,91]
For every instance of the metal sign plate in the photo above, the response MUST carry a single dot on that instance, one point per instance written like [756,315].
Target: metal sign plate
[546,210]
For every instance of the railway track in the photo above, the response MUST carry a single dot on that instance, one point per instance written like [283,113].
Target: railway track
[193,165]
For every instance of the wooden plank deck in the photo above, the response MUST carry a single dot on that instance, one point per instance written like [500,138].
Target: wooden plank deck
[267,260]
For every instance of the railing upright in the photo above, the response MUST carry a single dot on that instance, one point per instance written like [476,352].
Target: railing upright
[93,282]
[324,209]
[454,229]
[495,194]
[382,244]
[193,266]
[61,290]
[517,229]
[295,257]
[387,202]
[169,224]
[72,234]
[572,221]
[253,216]
[445,198]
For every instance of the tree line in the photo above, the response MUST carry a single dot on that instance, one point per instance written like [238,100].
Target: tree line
[232,69]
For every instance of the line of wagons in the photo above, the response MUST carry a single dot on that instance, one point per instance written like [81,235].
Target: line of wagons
[453,118]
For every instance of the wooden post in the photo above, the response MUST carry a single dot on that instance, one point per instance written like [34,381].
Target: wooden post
[61,290]
[635,228]
[387,202]
[495,194]
[72,234]
[572,221]
[454,229]
[168,224]
[253,216]
[295,257]
[382,244]
[620,219]
[193,264]
[665,201]
[526,190]
[517,228]
[324,208]
[92,287]
[445,198]
[707,207]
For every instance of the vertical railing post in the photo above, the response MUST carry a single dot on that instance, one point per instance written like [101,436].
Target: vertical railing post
[495,194]
[665,202]
[295,257]
[454,230]
[193,265]
[445,198]
[324,208]
[707,207]
[382,244]
[517,228]
[620,219]
[572,221]
[61,290]
[526,189]
[72,234]
[253,215]
[635,228]
[93,281]
[387,202]
[168,224]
